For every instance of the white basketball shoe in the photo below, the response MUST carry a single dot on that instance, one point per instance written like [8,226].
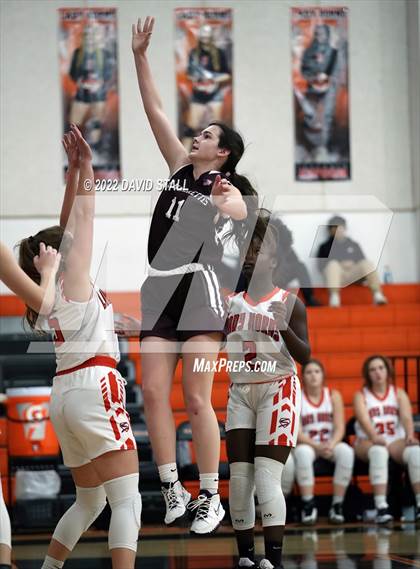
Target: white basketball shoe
[209,512]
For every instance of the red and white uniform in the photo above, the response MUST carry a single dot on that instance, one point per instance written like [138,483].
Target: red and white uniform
[317,419]
[265,392]
[88,394]
[384,414]
[82,329]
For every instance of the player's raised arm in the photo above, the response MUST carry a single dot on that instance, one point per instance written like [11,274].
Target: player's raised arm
[77,285]
[39,297]
[170,146]
[72,151]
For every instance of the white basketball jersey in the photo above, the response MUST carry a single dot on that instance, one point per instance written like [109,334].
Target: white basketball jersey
[384,414]
[317,420]
[82,330]
[256,349]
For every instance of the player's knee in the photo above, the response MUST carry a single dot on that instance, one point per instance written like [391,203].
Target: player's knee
[378,464]
[268,473]
[152,395]
[378,453]
[241,495]
[344,454]
[79,517]
[288,476]
[304,456]
[304,459]
[196,403]
[125,502]
[344,461]
[411,457]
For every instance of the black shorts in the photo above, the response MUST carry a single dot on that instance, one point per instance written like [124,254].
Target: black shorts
[179,307]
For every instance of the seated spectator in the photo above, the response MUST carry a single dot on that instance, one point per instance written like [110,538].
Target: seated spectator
[321,431]
[384,427]
[341,261]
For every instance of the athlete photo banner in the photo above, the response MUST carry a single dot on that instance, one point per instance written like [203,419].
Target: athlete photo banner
[203,58]
[89,80]
[320,77]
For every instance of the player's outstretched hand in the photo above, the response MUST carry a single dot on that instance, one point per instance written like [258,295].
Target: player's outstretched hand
[85,153]
[72,150]
[142,35]
[47,260]
[127,326]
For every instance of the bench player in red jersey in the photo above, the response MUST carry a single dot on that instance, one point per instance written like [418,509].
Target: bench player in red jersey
[384,428]
[266,332]
[322,428]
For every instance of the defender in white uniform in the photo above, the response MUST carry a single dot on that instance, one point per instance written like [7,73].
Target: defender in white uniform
[88,395]
[265,386]
[384,427]
[320,437]
[265,333]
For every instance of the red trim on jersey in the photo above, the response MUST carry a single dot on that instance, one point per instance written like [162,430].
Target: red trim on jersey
[377,396]
[105,361]
[249,300]
[309,400]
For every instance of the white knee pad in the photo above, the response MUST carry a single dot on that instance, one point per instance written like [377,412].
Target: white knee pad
[288,476]
[5,530]
[411,457]
[241,495]
[79,517]
[125,501]
[268,474]
[378,464]
[344,462]
[304,461]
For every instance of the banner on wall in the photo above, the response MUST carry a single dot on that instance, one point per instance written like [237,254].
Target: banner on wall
[321,93]
[203,58]
[89,80]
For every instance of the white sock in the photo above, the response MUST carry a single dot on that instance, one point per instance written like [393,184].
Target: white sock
[51,563]
[418,500]
[168,472]
[308,498]
[380,502]
[337,500]
[210,481]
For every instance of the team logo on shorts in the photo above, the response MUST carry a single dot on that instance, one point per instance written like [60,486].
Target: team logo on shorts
[284,423]
[124,427]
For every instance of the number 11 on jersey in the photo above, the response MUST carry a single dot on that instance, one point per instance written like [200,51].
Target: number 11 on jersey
[171,208]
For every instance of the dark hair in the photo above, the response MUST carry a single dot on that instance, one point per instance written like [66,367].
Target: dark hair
[387,363]
[54,236]
[337,220]
[313,361]
[233,141]
[262,230]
